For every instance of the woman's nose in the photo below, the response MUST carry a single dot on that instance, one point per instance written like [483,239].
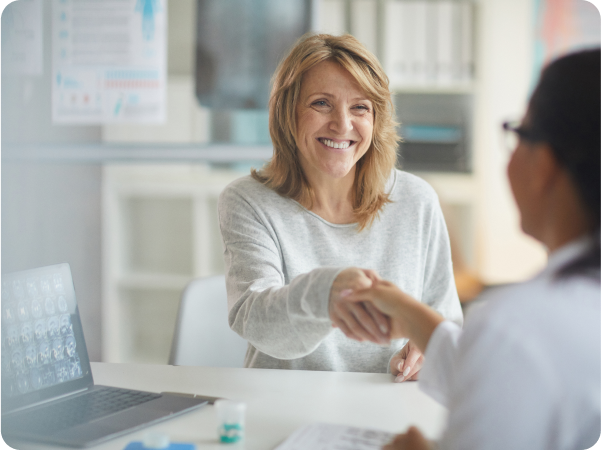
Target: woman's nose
[341,121]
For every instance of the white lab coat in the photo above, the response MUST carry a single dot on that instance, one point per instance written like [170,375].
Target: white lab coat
[525,371]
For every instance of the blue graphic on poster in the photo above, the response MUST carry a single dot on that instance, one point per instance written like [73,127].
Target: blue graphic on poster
[147,8]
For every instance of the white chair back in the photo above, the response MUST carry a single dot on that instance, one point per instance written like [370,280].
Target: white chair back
[202,333]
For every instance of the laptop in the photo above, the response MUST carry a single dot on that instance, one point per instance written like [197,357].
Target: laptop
[48,393]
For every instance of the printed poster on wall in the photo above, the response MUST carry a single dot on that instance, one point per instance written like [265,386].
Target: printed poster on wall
[563,26]
[109,61]
[22,46]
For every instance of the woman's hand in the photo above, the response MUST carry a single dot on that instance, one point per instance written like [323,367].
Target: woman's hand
[357,320]
[407,363]
[413,439]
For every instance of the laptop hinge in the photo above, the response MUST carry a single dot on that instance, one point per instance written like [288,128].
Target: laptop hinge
[53,399]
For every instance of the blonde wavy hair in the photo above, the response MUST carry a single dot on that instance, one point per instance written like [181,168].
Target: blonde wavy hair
[283,173]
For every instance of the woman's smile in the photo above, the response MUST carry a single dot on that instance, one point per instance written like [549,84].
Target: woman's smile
[336,144]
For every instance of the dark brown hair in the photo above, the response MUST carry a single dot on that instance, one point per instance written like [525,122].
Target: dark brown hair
[565,112]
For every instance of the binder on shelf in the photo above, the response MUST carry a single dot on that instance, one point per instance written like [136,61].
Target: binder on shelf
[431,42]
[457,34]
[445,42]
[466,71]
[332,17]
[364,26]
[395,58]
[428,43]
[416,22]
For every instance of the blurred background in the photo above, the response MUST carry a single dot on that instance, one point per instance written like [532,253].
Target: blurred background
[123,120]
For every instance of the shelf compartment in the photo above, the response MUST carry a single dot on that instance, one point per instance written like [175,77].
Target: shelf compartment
[154,281]
[170,218]
[148,319]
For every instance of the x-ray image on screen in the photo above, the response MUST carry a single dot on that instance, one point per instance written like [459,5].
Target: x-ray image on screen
[239,44]
[38,341]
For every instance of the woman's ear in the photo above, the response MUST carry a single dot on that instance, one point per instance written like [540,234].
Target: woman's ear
[562,214]
[546,168]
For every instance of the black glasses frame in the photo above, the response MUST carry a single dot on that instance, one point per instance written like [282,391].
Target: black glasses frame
[523,133]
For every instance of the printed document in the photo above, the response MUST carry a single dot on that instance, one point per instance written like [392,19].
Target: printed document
[325,436]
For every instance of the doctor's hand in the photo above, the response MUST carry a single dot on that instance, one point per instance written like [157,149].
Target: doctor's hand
[413,439]
[406,364]
[408,317]
[357,320]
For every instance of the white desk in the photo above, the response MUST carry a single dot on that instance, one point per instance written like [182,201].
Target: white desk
[278,402]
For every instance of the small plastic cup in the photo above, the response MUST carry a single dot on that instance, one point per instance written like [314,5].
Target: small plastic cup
[230,417]
[156,440]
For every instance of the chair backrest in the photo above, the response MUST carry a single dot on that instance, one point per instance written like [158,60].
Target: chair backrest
[202,333]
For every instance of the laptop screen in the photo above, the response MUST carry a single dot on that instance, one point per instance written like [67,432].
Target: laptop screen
[43,349]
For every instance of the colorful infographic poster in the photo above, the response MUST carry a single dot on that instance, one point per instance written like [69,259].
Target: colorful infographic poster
[109,61]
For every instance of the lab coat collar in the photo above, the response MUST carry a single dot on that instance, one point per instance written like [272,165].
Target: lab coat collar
[566,253]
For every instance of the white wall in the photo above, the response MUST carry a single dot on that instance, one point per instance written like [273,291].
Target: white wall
[50,215]
[504,49]
[50,212]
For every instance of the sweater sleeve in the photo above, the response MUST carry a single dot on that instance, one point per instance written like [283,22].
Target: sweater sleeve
[284,321]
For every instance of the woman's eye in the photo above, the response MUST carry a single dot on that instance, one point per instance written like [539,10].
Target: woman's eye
[320,103]
[362,108]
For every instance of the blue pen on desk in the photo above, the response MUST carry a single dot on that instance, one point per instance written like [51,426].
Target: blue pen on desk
[158,441]
[138,445]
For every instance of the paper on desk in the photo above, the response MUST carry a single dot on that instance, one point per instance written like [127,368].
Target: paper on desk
[325,436]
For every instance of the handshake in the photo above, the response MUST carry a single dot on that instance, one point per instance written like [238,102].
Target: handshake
[367,308]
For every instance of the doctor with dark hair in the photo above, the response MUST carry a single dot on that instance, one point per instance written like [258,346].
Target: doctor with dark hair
[524,373]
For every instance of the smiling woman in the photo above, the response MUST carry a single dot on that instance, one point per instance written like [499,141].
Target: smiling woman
[311,78]
[334,130]
[330,200]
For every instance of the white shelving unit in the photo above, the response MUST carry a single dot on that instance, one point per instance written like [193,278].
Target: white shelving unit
[431,34]
[160,231]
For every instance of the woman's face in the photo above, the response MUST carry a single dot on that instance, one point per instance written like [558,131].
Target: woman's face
[522,172]
[334,120]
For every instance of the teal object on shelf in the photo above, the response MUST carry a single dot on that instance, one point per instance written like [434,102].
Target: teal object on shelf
[431,133]
[250,126]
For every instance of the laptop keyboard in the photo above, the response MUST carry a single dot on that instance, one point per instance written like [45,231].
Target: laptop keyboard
[78,410]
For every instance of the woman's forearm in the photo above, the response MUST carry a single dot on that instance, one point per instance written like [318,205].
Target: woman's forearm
[284,322]
[419,321]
